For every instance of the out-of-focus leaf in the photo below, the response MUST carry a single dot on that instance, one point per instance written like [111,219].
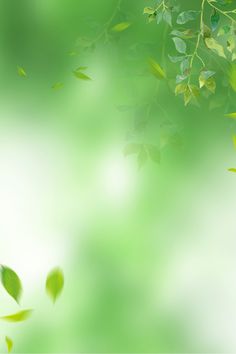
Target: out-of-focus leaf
[186,16]
[11,283]
[156,69]
[132,148]
[212,44]
[180,45]
[9,344]
[215,18]
[21,71]
[234,140]
[57,86]
[18,317]
[231,115]
[55,283]
[232,169]
[120,27]
[224,30]
[80,75]
[232,76]
[142,157]
[186,34]
[176,59]
[154,153]
[180,88]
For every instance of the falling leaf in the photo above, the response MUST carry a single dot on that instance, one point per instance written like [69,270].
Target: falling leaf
[11,283]
[232,169]
[231,115]
[58,86]
[9,344]
[80,75]
[120,27]
[156,69]
[21,71]
[55,283]
[18,317]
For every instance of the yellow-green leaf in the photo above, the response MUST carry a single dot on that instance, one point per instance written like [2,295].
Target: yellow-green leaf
[180,88]
[21,71]
[18,316]
[156,69]
[11,282]
[79,75]
[9,344]
[232,169]
[231,115]
[234,140]
[232,76]
[57,86]
[120,27]
[212,44]
[55,283]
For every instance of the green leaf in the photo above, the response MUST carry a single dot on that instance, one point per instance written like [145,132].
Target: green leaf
[132,148]
[55,283]
[224,30]
[180,45]
[231,115]
[232,76]
[186,16]
[79,75]
[167,17]
[120,27]
[212,44]
[57,86]
[215,18]
[154,153]
[232,169]
[149,10]
[11,283]
[176,59]
[21,71]
[9,344]
[180,88]
[234,140]
[187,34]
[18,317]
[206,79]
[156,69]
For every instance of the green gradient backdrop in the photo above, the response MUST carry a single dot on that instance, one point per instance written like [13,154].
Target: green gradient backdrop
[148,255]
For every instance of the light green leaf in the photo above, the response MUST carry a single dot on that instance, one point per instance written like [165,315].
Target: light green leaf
[132,148]
[212,44]
[180,45]
[154,153]
[9,344]
[187,34]
[232,76]
[120,27]
[18,317]
[55,283]
[234,140]
[186,16]
[180,88]
[231,115]
[21,71]
[79,75]
[167,17]
[149,10]
[156,69]
[232,169]
[57,86]
[11,283]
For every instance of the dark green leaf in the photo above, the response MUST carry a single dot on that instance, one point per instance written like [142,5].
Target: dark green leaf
[215,18]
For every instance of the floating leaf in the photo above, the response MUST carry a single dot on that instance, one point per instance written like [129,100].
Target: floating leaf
[232,76]
[231,115]
[186,16]
[9,344]
[215,18]
[212,44]
[18,317]
[156,69]
[21,71]
[120,27]
[57,86]
[80,75]
[55,283]
[11,282]
[232,169]
[180,45]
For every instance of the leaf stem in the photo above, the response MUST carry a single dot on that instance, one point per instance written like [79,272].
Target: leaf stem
[225,13]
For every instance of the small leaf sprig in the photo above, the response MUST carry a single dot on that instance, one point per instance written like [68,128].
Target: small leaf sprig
[215,36]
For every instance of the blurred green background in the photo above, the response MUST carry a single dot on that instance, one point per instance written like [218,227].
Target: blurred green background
[148,254]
